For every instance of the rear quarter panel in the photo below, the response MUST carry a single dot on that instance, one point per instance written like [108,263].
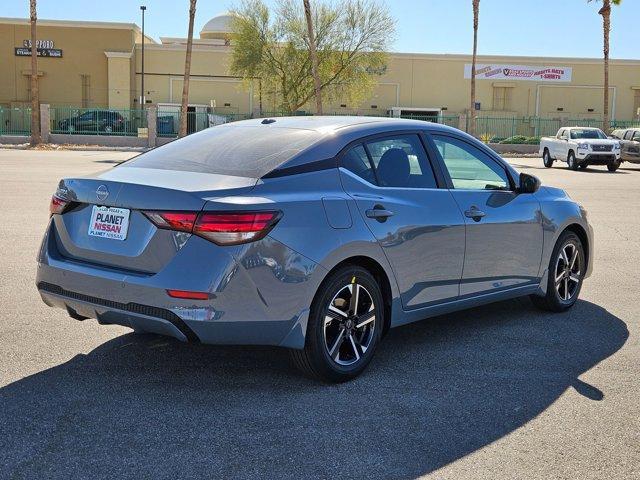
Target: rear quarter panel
[320,222]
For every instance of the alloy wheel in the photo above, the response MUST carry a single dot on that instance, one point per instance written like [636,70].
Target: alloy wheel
[349,324]
[568,272]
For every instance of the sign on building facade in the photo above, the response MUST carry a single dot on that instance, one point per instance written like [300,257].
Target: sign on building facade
[45,49]
[519,72]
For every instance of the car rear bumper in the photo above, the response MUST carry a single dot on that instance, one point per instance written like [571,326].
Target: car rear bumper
[259,293]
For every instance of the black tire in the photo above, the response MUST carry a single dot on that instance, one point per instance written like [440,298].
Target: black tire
[613,166]
[571,161]
[583,166]
[315,360]
[546,158]
[560,298]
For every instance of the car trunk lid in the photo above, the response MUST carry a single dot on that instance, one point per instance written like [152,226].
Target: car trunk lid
[96,229]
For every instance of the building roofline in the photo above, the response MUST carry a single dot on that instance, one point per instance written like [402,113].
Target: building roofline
[406,55]
[503,58]
[71,23]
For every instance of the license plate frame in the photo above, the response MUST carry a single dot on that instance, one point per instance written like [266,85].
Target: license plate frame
[110,223]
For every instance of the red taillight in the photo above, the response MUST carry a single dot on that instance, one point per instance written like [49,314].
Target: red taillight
[222,228]
[181,221]
[188,295]
[234,228]
[57,205]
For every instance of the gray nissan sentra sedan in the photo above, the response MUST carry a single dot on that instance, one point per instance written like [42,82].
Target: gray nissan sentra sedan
[317,234]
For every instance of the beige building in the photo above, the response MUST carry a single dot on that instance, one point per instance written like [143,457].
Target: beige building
[99,64]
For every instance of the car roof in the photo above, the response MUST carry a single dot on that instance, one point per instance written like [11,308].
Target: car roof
[331,124]
[336,132]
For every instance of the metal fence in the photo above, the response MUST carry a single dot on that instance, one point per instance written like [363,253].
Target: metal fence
[499,128]
[15,121]
[126,122]
[168,123]
[96,121]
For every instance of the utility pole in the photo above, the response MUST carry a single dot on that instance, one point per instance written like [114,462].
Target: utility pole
[143,100]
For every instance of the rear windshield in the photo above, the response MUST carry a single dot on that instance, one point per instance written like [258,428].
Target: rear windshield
[229,150]
[587,133]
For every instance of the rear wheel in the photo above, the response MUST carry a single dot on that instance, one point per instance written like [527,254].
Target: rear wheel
[571,161]
[565,274]
[344,328]
[613,166]
[546,158]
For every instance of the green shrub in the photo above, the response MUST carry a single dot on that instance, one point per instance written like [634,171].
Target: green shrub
[521,140]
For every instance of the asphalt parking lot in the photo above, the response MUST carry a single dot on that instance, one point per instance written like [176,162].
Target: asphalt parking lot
[503,391]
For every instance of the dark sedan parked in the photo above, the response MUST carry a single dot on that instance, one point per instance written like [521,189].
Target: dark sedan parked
[104,121]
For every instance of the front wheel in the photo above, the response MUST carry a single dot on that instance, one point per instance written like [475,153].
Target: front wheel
[613,166]
[571,161]
[565,274]
[546,159]
[344,328]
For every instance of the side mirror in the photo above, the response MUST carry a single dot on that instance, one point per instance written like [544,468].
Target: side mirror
[528,183]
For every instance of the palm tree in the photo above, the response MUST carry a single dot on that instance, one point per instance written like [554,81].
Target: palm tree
[35,96]
[605,11]
[472,109]
[314,57]
[187,72]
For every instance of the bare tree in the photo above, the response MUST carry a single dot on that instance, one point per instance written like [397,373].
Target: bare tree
[187,71]
[605,11]
[472,107]
[35,96]
[314,57]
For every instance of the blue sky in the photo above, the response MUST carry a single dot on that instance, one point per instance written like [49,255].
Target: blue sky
[509,27]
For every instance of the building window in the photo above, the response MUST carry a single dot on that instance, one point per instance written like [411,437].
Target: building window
[636,103]
[86,87]
[502,98]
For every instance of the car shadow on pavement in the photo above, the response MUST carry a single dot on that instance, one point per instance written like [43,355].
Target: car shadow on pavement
[151,407]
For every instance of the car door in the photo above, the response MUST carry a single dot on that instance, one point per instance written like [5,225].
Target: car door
[86,121]
[560,149]
[631,147]
[503,227]
[419,225]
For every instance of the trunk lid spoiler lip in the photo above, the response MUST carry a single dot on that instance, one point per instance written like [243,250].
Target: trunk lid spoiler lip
[151,189]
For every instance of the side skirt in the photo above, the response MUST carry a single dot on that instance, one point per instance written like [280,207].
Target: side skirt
[403,317]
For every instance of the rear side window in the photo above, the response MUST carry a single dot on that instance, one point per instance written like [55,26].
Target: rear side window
[229,150]
[400,161]
[357,162]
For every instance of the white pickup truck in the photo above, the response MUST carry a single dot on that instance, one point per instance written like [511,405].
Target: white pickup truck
[581,147]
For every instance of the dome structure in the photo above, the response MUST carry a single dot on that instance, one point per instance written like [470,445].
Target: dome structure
[218,27]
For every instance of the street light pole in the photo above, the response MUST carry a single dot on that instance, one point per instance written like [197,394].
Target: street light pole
[143,100]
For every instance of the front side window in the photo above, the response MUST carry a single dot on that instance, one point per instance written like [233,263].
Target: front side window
[469,167]
[636,136]
[401,162]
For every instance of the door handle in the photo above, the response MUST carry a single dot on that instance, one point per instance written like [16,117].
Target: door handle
[474,213]
[379,213]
